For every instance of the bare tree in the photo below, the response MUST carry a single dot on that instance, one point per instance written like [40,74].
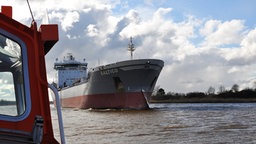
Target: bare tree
[222,89]
[211,90]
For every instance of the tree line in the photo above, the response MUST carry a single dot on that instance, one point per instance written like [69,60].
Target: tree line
[222,95]
[6,102]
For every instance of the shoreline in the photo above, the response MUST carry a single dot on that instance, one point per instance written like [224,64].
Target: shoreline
[186,100]
[244,96]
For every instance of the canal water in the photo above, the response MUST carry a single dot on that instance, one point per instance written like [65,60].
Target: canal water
[163,123]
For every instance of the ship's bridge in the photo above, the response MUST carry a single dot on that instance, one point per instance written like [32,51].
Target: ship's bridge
[70,71]
[69,62]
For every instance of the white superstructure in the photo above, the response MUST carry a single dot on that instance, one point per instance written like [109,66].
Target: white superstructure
[70,71]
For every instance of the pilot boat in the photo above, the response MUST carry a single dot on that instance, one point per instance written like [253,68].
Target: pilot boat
[25,115]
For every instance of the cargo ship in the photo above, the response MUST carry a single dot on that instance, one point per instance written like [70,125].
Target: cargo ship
[121,85]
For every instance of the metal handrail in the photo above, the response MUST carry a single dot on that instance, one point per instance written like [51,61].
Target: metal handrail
[58,106]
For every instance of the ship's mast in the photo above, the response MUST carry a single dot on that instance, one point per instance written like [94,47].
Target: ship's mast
[131,47]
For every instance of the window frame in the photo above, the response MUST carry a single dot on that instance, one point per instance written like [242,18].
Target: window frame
[25,74]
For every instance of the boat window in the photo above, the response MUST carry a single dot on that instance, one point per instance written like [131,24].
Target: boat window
[12,97]
[7,102]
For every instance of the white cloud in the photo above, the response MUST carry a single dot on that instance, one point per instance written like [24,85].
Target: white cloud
[249,43]
[246,53]
[217,33]
[158,15]
[233,70]
[92,30]
[69,19]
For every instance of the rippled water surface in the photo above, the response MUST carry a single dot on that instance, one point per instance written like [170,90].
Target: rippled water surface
[164,123]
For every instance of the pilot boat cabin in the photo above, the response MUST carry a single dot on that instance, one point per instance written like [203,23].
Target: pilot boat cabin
[24,103]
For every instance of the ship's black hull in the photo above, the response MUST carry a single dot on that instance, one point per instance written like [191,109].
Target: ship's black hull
[124,85]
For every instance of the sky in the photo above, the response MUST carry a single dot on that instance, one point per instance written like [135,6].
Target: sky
[202,42]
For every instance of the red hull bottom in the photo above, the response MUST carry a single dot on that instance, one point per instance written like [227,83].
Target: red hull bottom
[135,100]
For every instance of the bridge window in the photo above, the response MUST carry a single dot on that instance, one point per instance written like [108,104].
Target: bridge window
[12,93]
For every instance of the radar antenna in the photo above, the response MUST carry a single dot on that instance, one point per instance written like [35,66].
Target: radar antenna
[131,47]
